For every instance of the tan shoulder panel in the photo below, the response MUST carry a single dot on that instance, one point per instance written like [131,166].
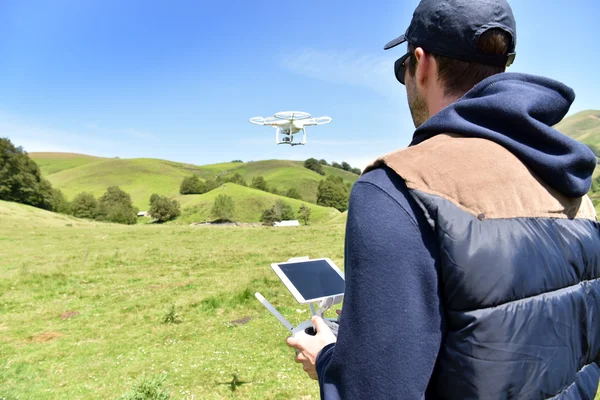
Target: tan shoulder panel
[482,178]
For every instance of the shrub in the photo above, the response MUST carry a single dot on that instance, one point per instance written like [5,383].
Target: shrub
[163,209]
[59,202]
[314,165]
[223,208]
[280,211]
[237,178]
[258,182]
[191,185]
[84,205]
[148,388]
[323,162]
[304,214]
[293,193]
[115,206]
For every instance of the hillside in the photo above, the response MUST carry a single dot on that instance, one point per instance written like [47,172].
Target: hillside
[51,163]
[15,215]
[583,126]
[140,177]
[249,205]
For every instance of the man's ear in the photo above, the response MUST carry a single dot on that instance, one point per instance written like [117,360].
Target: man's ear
[423,65]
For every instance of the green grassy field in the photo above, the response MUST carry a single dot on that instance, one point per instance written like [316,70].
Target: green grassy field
[82,307]
[249,205]
[583,126]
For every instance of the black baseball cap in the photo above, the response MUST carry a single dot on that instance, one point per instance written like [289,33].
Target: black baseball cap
[451,28]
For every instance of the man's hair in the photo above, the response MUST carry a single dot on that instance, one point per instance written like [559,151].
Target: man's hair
[458,77]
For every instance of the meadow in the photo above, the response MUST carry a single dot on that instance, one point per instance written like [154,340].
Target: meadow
[83,307]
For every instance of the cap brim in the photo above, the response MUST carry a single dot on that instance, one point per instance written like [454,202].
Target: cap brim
[399,40]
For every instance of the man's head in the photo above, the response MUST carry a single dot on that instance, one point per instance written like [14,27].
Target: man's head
[452,46]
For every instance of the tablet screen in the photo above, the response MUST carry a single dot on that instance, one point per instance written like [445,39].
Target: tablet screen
[314,279]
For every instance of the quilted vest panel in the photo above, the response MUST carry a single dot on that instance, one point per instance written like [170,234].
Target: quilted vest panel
[520,273]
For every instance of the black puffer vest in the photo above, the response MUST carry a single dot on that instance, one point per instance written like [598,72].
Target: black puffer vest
[520,273]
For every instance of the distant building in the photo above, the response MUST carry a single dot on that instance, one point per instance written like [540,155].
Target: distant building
[287,223]
[143,214]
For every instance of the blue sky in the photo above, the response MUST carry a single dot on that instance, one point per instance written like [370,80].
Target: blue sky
[178,80]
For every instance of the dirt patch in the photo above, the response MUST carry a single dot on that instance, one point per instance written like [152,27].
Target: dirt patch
[171,285]
[595,117]
[45,337]
[69,314]
[241,321]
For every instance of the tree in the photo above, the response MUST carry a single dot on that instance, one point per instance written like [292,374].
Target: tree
[283,211]
[223,208]
[336,165]
[314,165]
[115,206]
[356,171]
[268,217]
[280,211]
[293,193]
[258,182]
[323,162]
[163,209]
[59,202]
[274,190]
[20,178]
[237,178]
[346,166]
[304,214]
[332,192]
[84,205]
[192,185]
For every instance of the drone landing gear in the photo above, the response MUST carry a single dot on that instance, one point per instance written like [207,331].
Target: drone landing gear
[288,138]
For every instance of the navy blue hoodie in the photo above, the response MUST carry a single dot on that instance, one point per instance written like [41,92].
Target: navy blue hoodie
[393,323]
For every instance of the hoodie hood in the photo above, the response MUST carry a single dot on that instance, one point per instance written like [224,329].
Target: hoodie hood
[518,111]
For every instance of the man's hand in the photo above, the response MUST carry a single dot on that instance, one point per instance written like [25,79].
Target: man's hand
[309,346]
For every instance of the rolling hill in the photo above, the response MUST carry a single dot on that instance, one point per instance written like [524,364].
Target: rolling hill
[15,215]
[249,205]
[141,177]
[583,126]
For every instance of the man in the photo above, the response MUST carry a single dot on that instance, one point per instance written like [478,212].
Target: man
[472,257]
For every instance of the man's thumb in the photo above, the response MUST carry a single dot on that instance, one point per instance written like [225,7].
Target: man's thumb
[319,324]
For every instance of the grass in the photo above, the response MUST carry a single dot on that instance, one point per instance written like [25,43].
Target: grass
[140,177]
[102,311]
[51,163]
[249,205]
[82,309]
[583,126]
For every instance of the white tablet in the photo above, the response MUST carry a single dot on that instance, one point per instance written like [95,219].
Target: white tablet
[310,281]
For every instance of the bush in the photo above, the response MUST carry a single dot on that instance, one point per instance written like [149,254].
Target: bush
[356,171]
[304,214]
[223,208]
[332,192]
[280,211]
[293,193]
[84,205]
[115,206]
[323,162]
[258,182]
[192,185]
[163,209]
[148,389]
[20,178]
[314,165]
[237,178]
[60,203]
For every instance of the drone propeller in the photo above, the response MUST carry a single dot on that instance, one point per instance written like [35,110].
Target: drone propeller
[291,115]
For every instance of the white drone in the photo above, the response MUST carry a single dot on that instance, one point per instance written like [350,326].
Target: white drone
[289,123]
